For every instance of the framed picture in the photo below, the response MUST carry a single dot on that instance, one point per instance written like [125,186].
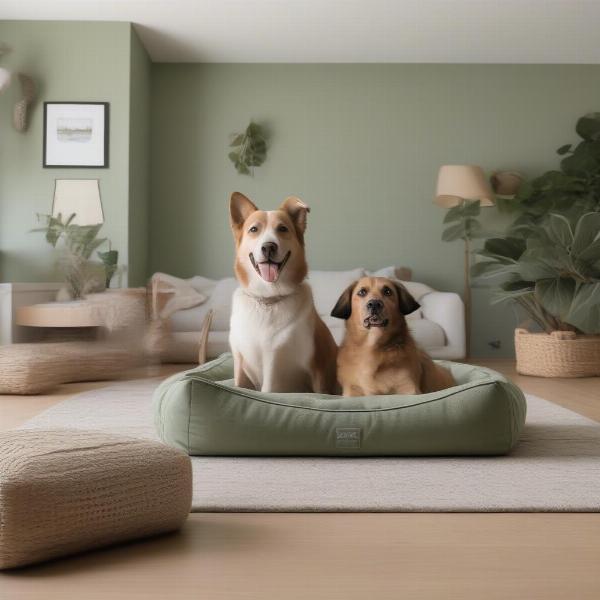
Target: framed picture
[76,134]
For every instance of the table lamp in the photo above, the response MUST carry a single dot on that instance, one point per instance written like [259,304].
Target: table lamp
[455,185]
[79,196]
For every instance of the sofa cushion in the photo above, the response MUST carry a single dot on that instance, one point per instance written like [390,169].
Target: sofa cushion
[327,287]
[427,334]
[221,301]
[392,272]
[203,285]
[190,319]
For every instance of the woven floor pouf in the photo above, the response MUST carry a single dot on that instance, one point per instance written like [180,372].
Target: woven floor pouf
[64,491]
[37,368]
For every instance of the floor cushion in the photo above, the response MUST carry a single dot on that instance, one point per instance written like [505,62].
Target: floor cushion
[203,413]
[38,367]
[64,491]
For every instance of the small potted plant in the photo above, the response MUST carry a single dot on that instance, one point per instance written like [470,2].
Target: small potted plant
[82,275]
[549,262]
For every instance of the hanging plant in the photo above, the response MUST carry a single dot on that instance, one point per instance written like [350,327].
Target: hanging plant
[250,149]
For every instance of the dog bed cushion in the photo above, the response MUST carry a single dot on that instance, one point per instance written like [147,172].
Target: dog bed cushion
[203,413]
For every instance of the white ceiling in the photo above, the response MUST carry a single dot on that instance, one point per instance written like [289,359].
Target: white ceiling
[445,31]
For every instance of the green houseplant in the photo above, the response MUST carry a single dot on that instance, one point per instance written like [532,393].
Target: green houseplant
[250,149]
[82,275]
[548,262]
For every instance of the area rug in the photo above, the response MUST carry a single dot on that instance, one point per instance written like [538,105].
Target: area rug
[556,466]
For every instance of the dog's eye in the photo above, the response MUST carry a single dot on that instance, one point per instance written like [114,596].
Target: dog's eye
[282,228]
[387,291]
[253,229]
[362,292]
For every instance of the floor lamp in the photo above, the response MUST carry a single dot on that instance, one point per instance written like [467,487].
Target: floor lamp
[455,185]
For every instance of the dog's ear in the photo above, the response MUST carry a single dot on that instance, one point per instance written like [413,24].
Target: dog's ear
[297,210]
[406,303]
[343,307]
[240,208]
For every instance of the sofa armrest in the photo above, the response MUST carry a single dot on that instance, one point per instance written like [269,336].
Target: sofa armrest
[448,311]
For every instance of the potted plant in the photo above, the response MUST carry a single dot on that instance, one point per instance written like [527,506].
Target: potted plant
[82,275]
[549,262]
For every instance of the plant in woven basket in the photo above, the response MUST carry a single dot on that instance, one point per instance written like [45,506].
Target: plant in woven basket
[250,149]
[549,260]
[554,274]
[81,274]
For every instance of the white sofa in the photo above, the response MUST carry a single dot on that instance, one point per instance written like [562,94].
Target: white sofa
[438,326]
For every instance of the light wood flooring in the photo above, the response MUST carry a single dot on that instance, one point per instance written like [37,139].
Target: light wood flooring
[337,556]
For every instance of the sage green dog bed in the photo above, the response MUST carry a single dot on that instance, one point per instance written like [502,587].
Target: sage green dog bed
[203,413]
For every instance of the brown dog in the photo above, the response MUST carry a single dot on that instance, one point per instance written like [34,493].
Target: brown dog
[378,354]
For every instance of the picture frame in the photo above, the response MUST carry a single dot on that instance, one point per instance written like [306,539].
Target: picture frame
[76,135]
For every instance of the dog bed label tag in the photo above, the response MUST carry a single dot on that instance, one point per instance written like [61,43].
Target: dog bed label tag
[347,437]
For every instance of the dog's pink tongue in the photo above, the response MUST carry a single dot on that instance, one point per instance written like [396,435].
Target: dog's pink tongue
[268,271]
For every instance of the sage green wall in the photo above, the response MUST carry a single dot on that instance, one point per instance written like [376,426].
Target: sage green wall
[362,145]
[139,161]
[69,61]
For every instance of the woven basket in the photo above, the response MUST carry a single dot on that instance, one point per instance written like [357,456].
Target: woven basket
[560,354]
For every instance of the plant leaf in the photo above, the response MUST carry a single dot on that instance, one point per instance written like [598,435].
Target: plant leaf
[563,149]
[533,266]
[584,312]
[559,230]
[471,208]
[474,229]
[453,214]
[556,296]
[253,130]
[588,126]
[237,140]
[587,231]
[454,232]
[519,284]
[585,158]
[489,269]
[591,254]
[509,247]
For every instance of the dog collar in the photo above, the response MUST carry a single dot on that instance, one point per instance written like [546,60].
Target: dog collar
[266,301]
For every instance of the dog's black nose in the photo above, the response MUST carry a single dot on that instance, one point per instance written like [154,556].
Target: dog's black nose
[269,249]
[374,305]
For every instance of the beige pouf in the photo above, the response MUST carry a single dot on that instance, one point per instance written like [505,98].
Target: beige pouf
[64,491]
[37,368]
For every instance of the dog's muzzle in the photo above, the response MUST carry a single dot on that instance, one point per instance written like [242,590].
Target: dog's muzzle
[269,269]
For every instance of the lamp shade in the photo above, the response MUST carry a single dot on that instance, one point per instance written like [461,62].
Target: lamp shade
[457,183]
[79,196]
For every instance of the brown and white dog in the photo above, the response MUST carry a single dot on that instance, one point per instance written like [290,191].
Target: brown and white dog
[279,342]
[378,354]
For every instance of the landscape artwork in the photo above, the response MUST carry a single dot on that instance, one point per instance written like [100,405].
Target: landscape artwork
[76,134]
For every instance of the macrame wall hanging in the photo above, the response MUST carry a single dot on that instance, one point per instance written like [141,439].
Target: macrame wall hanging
[27,96]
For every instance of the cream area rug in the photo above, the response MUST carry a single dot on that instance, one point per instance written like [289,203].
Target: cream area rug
[556,466]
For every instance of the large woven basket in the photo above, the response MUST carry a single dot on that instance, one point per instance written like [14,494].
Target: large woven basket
[559,354]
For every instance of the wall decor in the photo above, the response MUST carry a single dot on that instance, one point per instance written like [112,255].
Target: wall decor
[250,149]
[76,134]
[506,183]
[28,94]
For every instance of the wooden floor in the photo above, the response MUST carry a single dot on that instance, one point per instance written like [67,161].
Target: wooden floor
[337,556]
